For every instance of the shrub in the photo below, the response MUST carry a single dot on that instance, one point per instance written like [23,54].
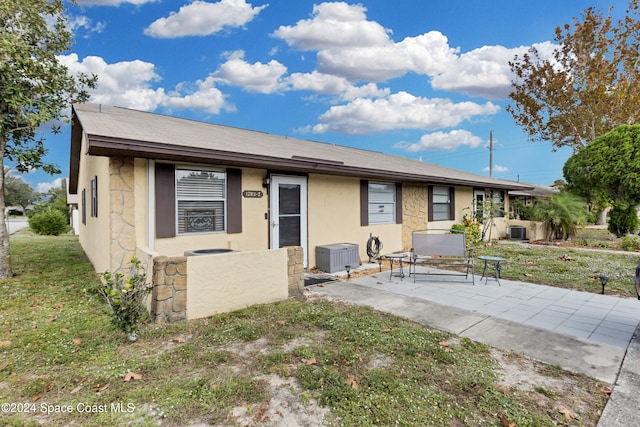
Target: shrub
[49,222]
[630,243]
[623,219]
[126,297]
[472,230]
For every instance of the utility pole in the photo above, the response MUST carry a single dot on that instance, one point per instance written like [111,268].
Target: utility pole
[490,153]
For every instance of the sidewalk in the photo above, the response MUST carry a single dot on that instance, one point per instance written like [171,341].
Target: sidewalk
[578,331]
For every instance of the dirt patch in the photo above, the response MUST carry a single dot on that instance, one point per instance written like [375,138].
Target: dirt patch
[551,388]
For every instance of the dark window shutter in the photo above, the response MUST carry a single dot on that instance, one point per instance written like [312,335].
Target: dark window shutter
[234,201]
[165,200]
[364,202]
[452,203]
[430,203]
[399,203]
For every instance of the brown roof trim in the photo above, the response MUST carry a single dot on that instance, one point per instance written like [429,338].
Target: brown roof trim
[74,161]
[99,145]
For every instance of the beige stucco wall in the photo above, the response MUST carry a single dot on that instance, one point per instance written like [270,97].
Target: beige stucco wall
[94,235]
[255,229]
[235,280]
[334,217]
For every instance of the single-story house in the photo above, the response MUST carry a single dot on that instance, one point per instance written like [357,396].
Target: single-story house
[171,185]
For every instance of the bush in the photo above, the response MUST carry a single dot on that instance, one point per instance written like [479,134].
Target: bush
[126,297]
[623,219]
[472,231]
[630,243]
[49,222]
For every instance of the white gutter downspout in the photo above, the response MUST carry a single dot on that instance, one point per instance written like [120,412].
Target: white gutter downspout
[151,204]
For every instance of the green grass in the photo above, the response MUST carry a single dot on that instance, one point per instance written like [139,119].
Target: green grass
[59,350]
[566,267]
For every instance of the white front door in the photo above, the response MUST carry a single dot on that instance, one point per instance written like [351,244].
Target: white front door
[288,206]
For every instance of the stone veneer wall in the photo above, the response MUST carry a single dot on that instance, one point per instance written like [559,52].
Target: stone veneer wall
[122,214]
[414,211]
[169,296]
[295,270]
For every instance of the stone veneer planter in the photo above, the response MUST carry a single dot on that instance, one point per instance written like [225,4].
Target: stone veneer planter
[170,284]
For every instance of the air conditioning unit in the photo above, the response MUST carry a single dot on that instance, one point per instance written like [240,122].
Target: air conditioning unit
[517,232]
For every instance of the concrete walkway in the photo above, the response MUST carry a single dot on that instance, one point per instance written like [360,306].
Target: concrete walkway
[578,331]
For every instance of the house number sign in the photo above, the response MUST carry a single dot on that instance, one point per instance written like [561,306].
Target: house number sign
[252,194]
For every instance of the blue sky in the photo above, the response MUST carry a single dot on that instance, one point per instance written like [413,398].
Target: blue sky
[425,79]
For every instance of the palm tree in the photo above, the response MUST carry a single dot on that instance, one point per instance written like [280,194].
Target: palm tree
[562,213]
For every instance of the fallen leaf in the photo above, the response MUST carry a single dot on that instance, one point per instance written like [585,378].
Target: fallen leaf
[351,381]
[100,388]
[4,365]
[77,389]
[606,390]
[281,322]
[50,319]
[386,330]
[311,361]
[568,414]
[443,343]
[501,389]
[76,341]
[132,376]
[505,422]
[65,330]
[59,306]
[214,386]
[36,398]
[5,343]
[48,388]
[180,340]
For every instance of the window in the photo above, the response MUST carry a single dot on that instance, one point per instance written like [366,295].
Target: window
[94,197]
[382,203]
[497,199]
[441,207]
[201,200]
[84,206]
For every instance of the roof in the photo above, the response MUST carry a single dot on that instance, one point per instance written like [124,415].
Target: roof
[536,190]
[117,131]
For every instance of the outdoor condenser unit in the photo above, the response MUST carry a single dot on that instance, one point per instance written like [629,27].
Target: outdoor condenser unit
[517,232]
[332,258]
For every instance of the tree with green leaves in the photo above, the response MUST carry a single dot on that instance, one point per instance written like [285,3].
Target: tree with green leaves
[587,87]
[562,214]
[35,88]
[607,172]
[17,192]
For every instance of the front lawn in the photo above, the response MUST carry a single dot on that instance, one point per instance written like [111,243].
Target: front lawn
[294,363]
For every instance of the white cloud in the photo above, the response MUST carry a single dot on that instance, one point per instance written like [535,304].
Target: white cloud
[126,83]
[399,111]
[335,24]
[205,97]
[497,168]
[444,141]
[333,85]
[112,2]
[131,84]
[43,187]
[75,23]
[201,18]
[256,77]
[428,54]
